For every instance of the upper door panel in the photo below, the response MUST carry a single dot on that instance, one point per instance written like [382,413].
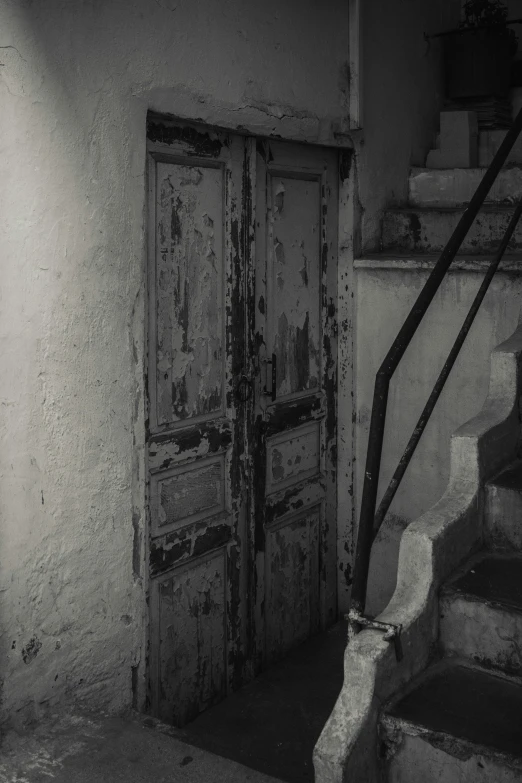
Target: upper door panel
[294,296]
[189,344]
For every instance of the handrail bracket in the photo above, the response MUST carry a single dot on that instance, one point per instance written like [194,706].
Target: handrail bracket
[392,633]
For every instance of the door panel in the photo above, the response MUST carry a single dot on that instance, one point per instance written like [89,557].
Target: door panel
[190,610]
[294,301]
[196,425]
[189,293]
[296,272]
[187,494]
[292,558]
[293,455]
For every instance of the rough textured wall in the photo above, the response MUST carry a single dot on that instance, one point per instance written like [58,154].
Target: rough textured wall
[402,96]
[76,80]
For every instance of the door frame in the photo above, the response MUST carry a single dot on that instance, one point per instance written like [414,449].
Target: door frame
[345,319]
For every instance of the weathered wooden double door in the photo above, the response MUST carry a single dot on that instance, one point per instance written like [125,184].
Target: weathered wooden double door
[242,417]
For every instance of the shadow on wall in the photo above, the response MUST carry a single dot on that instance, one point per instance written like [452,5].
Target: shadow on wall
[382,576]
[402,96]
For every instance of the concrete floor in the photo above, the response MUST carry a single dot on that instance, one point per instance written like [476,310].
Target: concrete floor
[264,733]
[273,723]
[92,749]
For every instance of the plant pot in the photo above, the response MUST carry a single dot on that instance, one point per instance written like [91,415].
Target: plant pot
[478,62]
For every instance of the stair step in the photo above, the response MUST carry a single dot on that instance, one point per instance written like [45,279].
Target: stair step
[456,187]
[457,723]
[490,141]
[493,578]
[407,260]
[503,511]
[481,612]
[428,230]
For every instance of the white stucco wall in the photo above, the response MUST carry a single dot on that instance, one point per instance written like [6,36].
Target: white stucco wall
[76,80]
[385,297]
[402,93]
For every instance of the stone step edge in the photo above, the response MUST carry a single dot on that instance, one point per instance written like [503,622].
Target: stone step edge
[439,661]
[394,726]
[495,480]
[455,187]
[415,170]
[448,589]
[511,263]
[448,592]
[490,208]
[491,656]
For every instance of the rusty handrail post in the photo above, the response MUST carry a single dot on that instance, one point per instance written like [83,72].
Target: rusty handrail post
[366,530]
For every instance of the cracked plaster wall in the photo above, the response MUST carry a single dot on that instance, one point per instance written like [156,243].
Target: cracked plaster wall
[76,80]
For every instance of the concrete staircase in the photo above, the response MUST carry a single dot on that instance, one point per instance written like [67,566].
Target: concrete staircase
[437,199]
[427,229]
[451,710]
[461,719]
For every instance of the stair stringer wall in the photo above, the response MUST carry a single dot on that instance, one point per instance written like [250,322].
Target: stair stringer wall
[431,548]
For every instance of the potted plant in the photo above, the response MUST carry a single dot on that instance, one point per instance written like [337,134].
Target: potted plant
[479,54]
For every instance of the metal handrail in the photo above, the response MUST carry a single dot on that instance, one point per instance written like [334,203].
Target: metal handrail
[369,521]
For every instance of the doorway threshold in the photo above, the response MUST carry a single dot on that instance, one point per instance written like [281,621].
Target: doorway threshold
[273,723]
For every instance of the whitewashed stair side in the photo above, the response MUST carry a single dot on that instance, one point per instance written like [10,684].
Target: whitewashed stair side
[432,547]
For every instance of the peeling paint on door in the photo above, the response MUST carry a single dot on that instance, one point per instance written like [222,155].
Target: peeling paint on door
[296,246]
[195,442]
[293,581]
[296,281]
[293,455]
[190,607]
[189,291]
[242,491]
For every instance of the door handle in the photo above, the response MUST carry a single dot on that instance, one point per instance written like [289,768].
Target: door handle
[243,390]
[271,371]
